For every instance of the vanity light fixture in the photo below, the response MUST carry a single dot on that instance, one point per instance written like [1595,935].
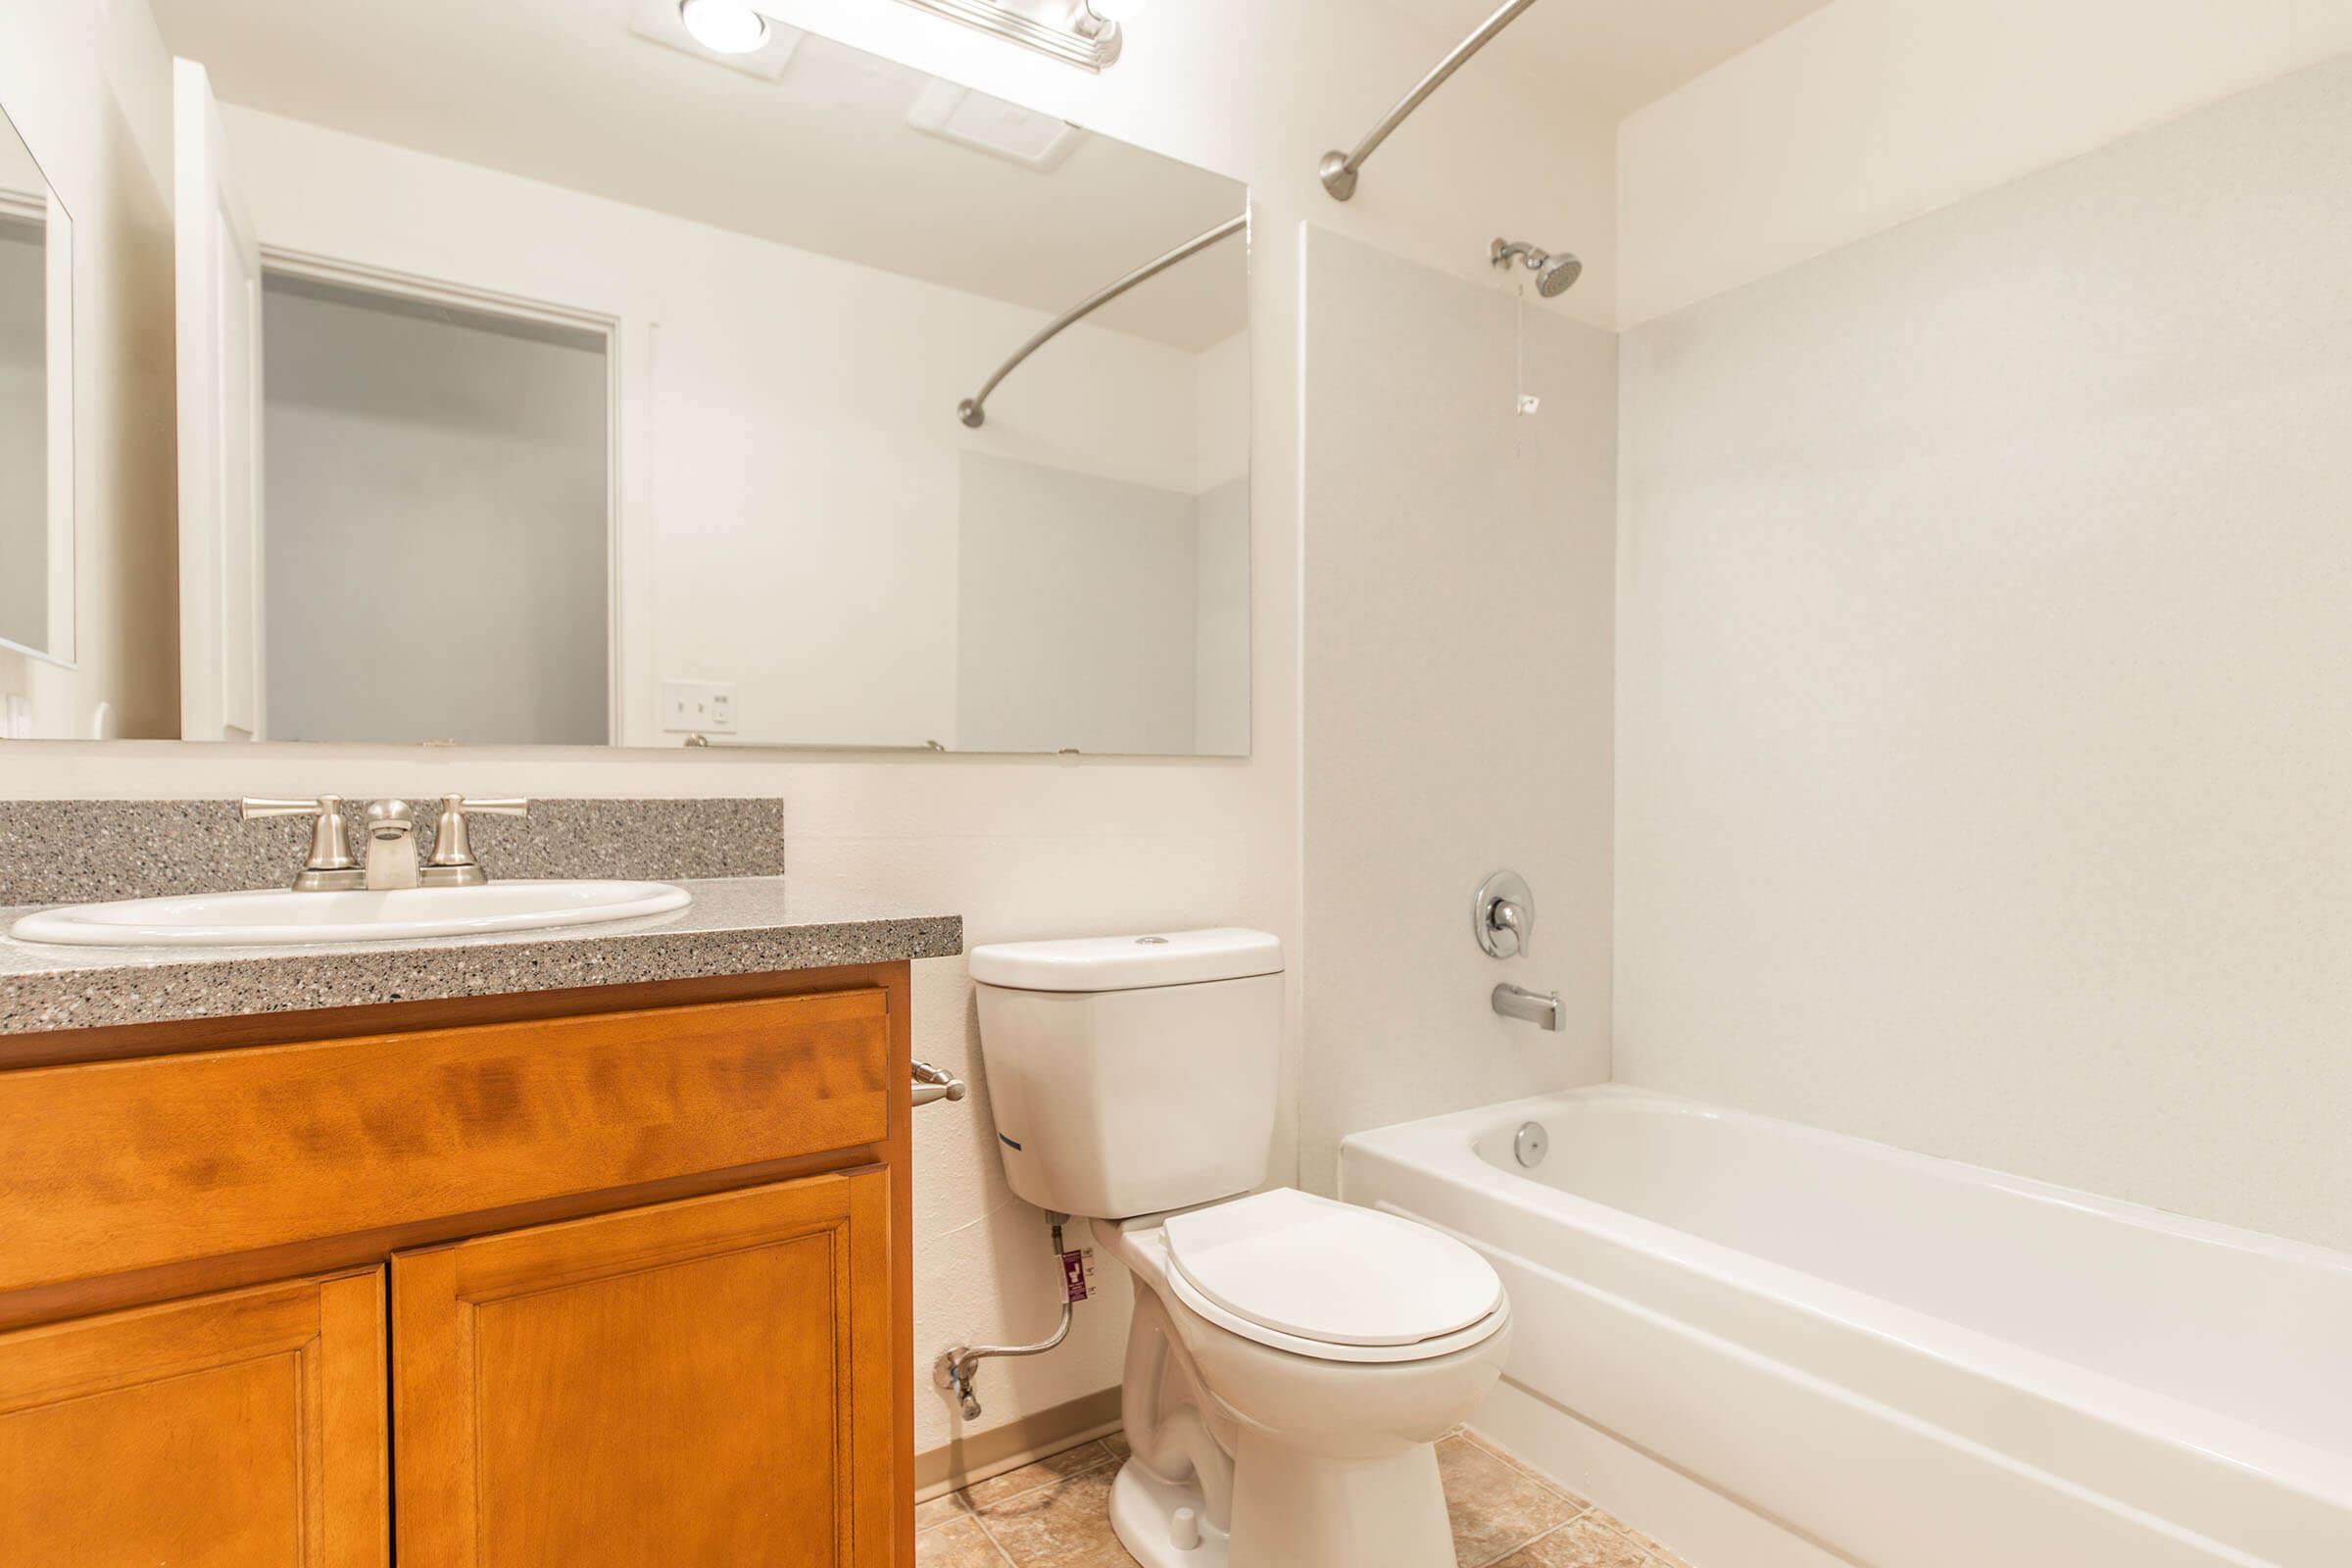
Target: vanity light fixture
[1086,33]
[724,27]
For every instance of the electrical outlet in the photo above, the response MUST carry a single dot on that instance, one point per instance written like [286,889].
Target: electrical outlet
[698,707]
[19,724]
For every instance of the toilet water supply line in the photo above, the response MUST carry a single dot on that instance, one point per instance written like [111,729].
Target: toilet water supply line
[958,1365]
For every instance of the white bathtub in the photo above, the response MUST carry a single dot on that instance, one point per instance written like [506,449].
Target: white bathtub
[1882,1358]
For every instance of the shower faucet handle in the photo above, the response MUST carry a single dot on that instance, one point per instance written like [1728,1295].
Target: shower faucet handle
[1506,916]
[1502,915]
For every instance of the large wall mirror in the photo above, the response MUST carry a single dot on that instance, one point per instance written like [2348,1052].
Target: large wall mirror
[37,408]
[547,377]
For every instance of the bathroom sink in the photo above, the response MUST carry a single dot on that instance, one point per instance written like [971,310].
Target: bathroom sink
[279,917]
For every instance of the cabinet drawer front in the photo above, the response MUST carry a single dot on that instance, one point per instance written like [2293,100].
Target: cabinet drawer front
[242,1429]
[122,1165]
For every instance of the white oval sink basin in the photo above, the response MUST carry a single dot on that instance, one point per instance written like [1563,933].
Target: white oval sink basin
[280,917]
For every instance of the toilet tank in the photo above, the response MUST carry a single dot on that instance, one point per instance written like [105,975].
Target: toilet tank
[1129,1075]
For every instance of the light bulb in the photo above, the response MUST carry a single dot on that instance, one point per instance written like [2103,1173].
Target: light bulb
[1117,12]
[723,26]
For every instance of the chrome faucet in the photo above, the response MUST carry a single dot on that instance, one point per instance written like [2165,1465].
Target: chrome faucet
[1502,916]
[391,844]
[390,860]
[1543,1007]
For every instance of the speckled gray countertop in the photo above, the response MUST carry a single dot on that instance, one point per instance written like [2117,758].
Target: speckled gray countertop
[735,926]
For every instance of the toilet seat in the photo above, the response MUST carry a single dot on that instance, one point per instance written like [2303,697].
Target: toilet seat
[1330,1280]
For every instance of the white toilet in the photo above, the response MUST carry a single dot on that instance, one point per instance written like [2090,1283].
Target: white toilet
[1292,1360]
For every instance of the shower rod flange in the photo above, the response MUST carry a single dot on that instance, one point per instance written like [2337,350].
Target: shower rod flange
[1339,169]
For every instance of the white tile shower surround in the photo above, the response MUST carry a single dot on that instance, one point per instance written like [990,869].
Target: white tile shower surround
[1055,1514]
[1457,700]
[1983,670]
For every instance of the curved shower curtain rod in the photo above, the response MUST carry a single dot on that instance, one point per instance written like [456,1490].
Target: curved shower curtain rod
[1339,168]
[974,411]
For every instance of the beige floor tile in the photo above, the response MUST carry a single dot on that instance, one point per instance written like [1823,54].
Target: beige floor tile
[1065,1524]
[1525,1469]
[958,1544]
[1055,1514]
[1013,1482]
[1495,1505]
[1661,1557]
[1588,1542]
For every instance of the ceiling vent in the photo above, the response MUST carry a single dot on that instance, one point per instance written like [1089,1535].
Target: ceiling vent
[992,127]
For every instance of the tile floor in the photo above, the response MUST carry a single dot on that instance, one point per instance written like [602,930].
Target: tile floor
[1054,1515]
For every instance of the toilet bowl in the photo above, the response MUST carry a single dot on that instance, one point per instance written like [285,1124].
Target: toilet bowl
[1324,1444]
[1292,1360]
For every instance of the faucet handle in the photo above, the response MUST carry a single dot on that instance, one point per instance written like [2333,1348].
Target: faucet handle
[1502,915]
[511,806]
[331,835]
[452,862]
[251,807]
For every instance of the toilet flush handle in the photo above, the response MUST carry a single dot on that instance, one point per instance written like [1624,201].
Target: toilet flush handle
[937,1082]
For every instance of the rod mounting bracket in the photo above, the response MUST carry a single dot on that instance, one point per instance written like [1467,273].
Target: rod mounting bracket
[1338,178]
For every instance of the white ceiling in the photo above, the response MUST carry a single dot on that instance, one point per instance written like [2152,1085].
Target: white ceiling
[562,91]
[1613,55]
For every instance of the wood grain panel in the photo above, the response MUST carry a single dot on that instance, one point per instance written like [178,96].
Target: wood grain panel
[143,1163]
[237,1430]
[114,1042]
[709,1382]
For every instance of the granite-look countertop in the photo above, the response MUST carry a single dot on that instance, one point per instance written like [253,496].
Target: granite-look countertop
[735,926]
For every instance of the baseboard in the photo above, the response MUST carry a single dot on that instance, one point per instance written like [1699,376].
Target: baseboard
[1032,1438]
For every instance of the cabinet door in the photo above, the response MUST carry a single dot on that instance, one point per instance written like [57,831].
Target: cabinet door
[231,1431]
[704,1384]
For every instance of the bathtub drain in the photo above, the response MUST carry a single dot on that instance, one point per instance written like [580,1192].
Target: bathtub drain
[1531,1143]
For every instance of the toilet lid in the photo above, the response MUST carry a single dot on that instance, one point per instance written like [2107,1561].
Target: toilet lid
[1314,1269]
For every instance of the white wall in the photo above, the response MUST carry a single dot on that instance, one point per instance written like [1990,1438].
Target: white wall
[1870,111]
[1045,846]
[88,88]
[1221,620]
[1075,621]
[1984,672]
[437,546]
[1221,570]
[1456,688]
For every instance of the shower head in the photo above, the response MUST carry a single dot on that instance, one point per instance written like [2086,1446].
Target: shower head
[1556,275]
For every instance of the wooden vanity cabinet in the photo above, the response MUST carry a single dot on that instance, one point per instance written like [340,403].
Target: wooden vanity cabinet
[242,1430]
[679,1383]
[613,1277]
